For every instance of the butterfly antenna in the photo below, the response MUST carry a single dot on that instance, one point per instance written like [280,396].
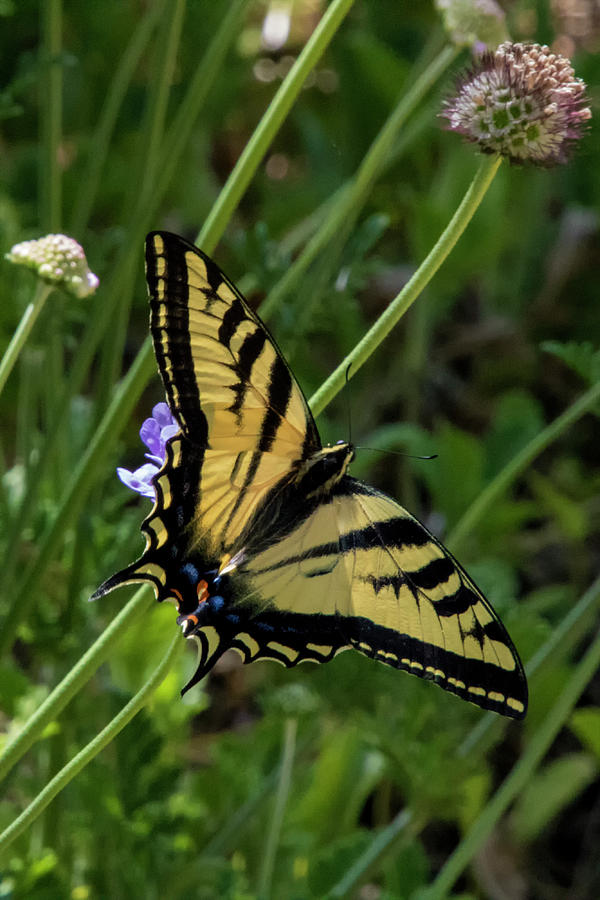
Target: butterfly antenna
[397,453]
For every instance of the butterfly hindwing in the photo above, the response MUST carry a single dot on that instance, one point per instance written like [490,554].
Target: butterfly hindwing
[364,572]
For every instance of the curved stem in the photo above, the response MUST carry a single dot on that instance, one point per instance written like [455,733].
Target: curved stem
[352,197]
[81,672]
[519,776]
[117,413]
[268,126]
[51,112]
[68,772]
[409,293]
[23,330]
[283,790]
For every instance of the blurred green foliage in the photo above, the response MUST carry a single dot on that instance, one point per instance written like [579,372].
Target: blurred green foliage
[504,339]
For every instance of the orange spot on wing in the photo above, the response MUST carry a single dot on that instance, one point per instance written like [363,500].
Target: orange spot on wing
[202,591]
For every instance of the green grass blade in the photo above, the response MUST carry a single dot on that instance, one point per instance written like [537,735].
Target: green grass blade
[270,123]
[139,606]
[538,746]
[409,293]
[85,756]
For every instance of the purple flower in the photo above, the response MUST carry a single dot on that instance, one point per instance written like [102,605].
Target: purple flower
[155,432]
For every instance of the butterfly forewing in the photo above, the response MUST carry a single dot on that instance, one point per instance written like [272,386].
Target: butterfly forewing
[228,385]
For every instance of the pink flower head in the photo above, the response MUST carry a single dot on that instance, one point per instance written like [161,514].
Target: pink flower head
[523,102]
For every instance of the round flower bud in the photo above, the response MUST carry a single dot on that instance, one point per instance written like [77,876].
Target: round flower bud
[58,260]
[479,24]
[523,102]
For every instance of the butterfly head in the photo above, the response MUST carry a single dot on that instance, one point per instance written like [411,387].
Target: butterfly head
[321,471]
[342,452]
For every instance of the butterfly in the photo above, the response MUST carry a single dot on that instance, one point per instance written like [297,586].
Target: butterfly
[260,536]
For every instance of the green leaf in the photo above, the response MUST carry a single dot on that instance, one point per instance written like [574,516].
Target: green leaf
[328,866]
[585,723]
[517,420]
[549,792]
[456,476]
[345,774]
[570,514]
[475,790]
[581,356]
[407,871]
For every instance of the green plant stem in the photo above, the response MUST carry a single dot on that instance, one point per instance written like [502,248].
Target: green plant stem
[290,729]
[123,401]
[519,463]
[186,116]
[189,109]
[520,775]
[354,194]
[151,139]
[379,331]
[123,274]
[81,482]
[376,850]
[51,112]
[157,110]
[270,123]
[80,674]
[23,330]
[100,141]
[91,750]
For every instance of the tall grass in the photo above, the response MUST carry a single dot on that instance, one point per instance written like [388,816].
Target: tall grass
[267,783]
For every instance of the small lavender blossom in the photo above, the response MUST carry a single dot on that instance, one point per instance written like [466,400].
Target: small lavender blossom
[155,433]
[58,260]
[480,24]
[523,102]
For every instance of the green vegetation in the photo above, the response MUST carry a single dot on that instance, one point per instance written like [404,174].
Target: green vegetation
[319,177]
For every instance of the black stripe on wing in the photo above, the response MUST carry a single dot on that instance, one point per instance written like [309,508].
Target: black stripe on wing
[169,323]
[291,638]
[171,296]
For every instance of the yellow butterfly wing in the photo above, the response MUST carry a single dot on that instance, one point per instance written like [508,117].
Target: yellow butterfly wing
[244,422]
[227,385]
[361,572]
[260,537]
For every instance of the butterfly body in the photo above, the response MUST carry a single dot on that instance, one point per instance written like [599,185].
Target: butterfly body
[260,536]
